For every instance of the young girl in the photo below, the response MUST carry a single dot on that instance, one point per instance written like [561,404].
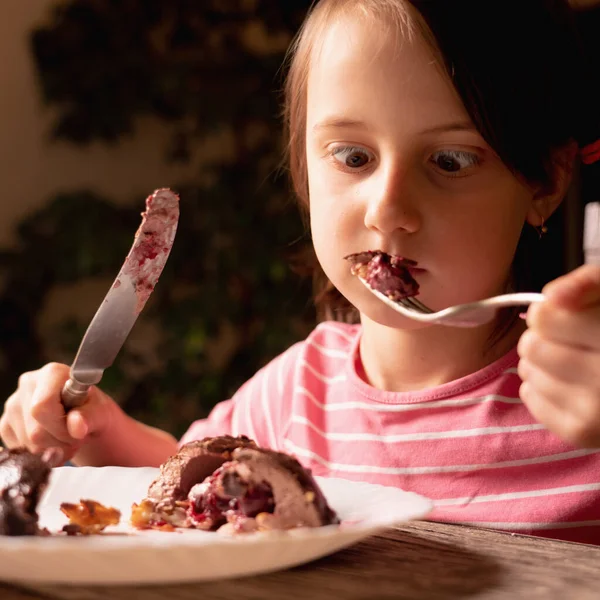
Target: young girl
[445,132]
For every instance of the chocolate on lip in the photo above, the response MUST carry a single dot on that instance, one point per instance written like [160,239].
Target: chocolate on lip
[385,273]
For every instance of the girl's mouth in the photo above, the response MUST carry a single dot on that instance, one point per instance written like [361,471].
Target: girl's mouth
[415,271]
[386,273]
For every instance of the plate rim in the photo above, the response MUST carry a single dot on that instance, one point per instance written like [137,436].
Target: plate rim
[187,537]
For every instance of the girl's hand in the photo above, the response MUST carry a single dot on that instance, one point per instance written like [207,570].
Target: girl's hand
[34,416]
[560,358]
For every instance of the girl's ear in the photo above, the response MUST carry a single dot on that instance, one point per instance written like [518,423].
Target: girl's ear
[547,199]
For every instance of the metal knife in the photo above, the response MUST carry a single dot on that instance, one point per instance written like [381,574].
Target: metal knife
[126,298]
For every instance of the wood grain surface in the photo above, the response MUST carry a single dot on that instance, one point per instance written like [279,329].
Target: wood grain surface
[421,561]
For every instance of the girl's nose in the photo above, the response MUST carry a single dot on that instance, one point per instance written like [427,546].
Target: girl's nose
[391,204]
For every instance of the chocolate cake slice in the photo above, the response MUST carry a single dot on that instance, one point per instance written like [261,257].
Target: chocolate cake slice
[230,483]
[166,501]
[259,490]
[23,479]
[385,273]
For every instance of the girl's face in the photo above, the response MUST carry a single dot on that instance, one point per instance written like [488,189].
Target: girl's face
[395,164]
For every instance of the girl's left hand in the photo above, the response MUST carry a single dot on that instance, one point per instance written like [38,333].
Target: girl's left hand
[560,357]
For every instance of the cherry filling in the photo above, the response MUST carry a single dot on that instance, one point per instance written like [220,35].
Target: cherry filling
[391,277]
[385,273]
[256,500]
[224,494]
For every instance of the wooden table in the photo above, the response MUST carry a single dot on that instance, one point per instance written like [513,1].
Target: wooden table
[421,561]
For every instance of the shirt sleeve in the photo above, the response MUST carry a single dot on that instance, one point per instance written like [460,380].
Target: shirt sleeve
[258,409]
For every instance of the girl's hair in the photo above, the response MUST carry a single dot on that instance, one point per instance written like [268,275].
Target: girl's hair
[519,70]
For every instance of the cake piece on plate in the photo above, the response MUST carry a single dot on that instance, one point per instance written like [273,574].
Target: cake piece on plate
[259,490]
[24,476]
[230,484]
[166,502]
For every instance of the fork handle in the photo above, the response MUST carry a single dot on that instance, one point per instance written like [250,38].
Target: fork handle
[591,234]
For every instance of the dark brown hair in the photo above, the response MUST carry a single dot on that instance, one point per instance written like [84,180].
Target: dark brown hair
[519,70]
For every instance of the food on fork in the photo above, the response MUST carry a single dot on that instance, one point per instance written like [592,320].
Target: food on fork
[88,517]
[234,487]
[24,476]
[385,273]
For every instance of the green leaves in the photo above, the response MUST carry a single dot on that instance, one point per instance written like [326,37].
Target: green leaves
[227,301]
[104,64]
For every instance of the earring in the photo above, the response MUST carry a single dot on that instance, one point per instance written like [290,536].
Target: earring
[542,229]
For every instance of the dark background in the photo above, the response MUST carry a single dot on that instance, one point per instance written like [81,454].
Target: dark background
[228,300]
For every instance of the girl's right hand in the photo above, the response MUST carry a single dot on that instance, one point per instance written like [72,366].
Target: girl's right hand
[34,416]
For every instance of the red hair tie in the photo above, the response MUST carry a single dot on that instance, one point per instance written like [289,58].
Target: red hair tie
[590,153]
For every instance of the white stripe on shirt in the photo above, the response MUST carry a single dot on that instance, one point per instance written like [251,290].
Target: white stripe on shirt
[370,406]
[267,410]
[414,437]
[324,378]
[352,468]
[336,329]
[250,431]
[330,352]
[543,493]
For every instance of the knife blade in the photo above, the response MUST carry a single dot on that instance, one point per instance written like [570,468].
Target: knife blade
[126,298]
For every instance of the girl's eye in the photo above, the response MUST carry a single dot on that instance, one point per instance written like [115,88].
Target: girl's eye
[452,162]
[351,157]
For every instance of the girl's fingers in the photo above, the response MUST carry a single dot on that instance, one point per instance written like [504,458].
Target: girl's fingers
[579,329]
[570,425]
[567,363]
[544,385]
[37,438]
[45,405]
[571,411]
[11,423]
[576,290]
[8,437]
[91,417]
[54,456]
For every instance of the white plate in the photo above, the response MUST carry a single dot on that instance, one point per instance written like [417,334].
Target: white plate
[128,556]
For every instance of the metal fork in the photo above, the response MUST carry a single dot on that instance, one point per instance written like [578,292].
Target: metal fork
[472,314]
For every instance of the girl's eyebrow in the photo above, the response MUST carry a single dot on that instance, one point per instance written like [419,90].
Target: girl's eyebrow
[344,123]
[454,126]
[338,123]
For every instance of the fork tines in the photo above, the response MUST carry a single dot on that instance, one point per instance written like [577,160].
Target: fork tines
[413,304]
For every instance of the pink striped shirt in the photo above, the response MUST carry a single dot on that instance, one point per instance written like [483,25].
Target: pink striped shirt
[470,445]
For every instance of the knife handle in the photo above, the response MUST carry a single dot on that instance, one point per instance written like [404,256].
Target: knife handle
[74,394]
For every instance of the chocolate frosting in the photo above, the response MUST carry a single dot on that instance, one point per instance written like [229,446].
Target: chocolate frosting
[192,464]
[301,474]
[215,471]
[23,478]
